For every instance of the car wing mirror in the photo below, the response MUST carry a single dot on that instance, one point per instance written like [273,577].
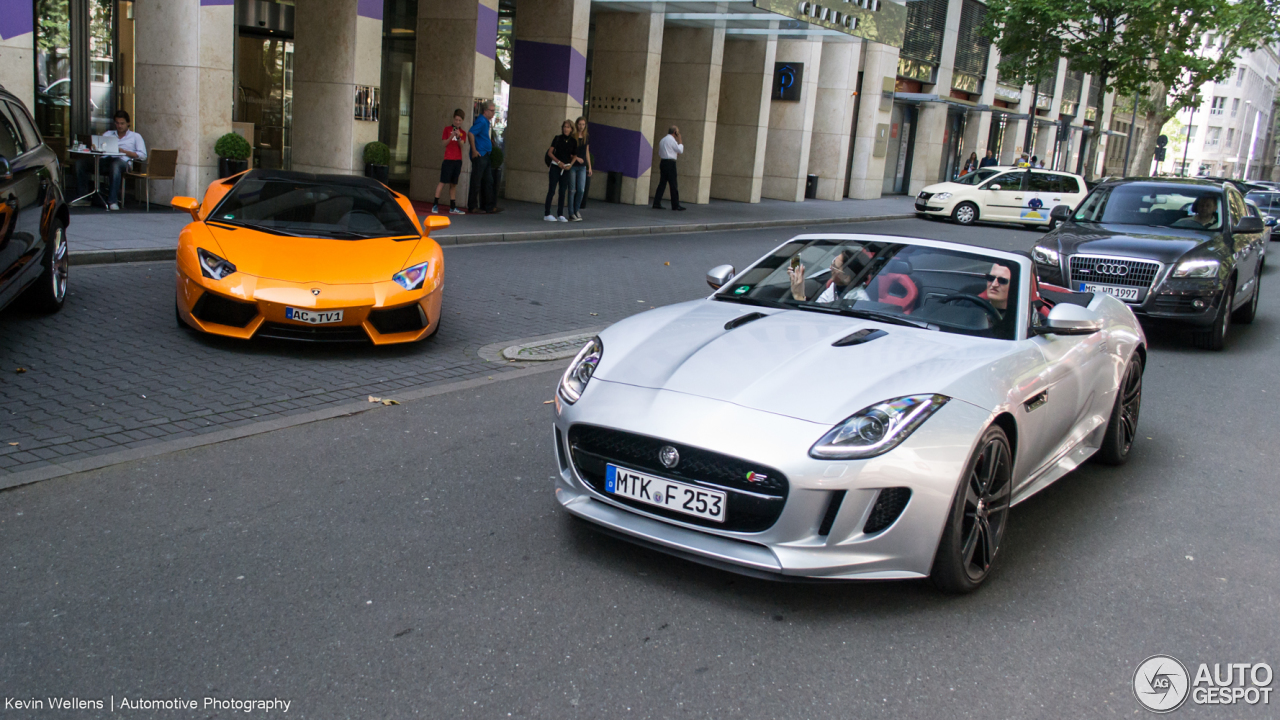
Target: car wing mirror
[1249,224]
[1269,221]
[993,187]
[1061,213]
[189,204]
[720,275]
[1071,319]
[435,222]
[6,170]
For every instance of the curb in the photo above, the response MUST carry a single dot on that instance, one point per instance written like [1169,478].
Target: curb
[108,257]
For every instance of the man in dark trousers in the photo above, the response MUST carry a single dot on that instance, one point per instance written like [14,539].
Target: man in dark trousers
[481,198]
[668,148]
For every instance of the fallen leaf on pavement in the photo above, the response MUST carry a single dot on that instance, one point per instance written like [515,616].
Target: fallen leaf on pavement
[666,263]
[13,443]
[594,314]
[389,401]
[374,399]
[547,402]
[20,370]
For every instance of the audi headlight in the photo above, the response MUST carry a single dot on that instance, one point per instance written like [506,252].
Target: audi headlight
[941,196]
[412,278]
[212,266]
[1202,268]
[1045,255]
[877,429]
[580,371]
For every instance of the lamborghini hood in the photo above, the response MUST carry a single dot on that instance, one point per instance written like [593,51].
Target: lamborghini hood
[785,363]
[311,260]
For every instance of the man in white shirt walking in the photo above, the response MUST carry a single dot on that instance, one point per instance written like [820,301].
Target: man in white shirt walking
[668,148]
[131,146]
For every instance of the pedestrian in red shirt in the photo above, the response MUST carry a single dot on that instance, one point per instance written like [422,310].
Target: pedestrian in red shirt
[453,137]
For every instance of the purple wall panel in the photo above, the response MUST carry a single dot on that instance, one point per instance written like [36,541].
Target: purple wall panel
[369,8]
[550,67]
[487,31]
[17,17]
[614,149]
[206,3]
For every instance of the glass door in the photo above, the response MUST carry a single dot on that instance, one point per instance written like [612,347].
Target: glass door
[264,97]
[901,146]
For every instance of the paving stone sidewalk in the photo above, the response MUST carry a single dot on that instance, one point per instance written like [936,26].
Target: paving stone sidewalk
[96,236]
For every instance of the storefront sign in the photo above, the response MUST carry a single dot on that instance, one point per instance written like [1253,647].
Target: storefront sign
[915,70]
[882,21]
[787,81]
[1008,94]
[367,103]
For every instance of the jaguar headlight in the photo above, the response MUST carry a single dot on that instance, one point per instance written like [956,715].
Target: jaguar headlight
[1201,268]
[941,196]
[412,278]
[212,266]
[1045,255]
[580,371]
[878,429]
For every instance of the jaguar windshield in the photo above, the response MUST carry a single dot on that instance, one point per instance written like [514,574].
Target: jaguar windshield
[310,206]
[935,288]
[1186,207]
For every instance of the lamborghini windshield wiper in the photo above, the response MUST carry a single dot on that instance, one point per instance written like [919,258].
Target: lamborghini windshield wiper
[261,228]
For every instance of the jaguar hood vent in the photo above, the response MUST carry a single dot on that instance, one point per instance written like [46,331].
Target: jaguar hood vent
[740,321]
[864,335]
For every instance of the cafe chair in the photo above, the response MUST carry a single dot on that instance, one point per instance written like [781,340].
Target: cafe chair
[160,165]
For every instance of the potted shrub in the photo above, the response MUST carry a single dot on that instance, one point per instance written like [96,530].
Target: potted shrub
[377,161]
[233,154]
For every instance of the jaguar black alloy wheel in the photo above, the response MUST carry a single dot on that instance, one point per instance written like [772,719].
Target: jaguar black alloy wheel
[979,513]
[1122,429]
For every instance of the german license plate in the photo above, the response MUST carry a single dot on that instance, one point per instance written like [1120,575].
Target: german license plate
[1127,294]
[663,493]
[313,317]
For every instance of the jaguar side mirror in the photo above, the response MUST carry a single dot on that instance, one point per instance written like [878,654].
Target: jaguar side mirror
[1061,213]
[719,275]
[1249,224]
[1069,319]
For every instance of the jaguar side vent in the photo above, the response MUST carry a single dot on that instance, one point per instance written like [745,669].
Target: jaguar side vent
[864,335]
[740,321]
[833,509]
[889,505]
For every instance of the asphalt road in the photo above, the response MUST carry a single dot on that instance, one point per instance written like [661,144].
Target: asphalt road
[412,562]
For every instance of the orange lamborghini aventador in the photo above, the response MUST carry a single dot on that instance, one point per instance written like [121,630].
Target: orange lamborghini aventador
[298,256]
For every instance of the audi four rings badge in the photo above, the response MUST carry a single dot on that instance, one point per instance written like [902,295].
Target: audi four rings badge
[1111,269]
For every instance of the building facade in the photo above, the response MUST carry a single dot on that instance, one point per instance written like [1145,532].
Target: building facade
[1227,134]
[860,99]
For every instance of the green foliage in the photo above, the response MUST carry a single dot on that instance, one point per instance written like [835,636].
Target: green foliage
[53,24]
[376,153]
[232,146]
[496,157]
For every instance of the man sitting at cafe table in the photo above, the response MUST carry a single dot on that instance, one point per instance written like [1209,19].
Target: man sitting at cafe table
[132,147]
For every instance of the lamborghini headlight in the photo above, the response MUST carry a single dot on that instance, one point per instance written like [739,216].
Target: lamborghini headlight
[412,278]
[878,429]
[1200,268]
[1045,255]
[212,266]
[580,371]
[941,196]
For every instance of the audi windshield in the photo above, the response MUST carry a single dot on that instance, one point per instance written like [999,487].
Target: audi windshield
[1186,207]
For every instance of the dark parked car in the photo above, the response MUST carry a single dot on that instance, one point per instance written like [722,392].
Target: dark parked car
[33,213]
[1268,201]
[1181,250]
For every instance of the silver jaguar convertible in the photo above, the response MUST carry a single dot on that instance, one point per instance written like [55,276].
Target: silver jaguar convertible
[847,407]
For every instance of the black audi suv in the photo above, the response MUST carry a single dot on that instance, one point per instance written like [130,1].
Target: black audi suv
[1187,251]
[33,213]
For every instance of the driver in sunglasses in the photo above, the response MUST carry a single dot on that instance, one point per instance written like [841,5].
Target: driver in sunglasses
[997,292]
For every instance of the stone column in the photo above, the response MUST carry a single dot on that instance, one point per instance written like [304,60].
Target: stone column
[1045,138]
[879,68]
[337,47]
[931,133]
[184,84]
[624,99]
[1016,134]
[742,125]
[689,97]
[1104,140]
[786,158]
[457,49]
[833,115]
[17,50]
[978,130]
[550,66]
[1077,136]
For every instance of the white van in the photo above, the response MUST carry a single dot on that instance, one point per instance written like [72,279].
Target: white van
[1002,194]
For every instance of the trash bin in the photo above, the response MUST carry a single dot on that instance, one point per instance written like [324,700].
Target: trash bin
[811,187]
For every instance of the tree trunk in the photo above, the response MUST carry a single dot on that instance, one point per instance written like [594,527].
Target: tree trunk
[503,72]
[1091,160]
[1157,113]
